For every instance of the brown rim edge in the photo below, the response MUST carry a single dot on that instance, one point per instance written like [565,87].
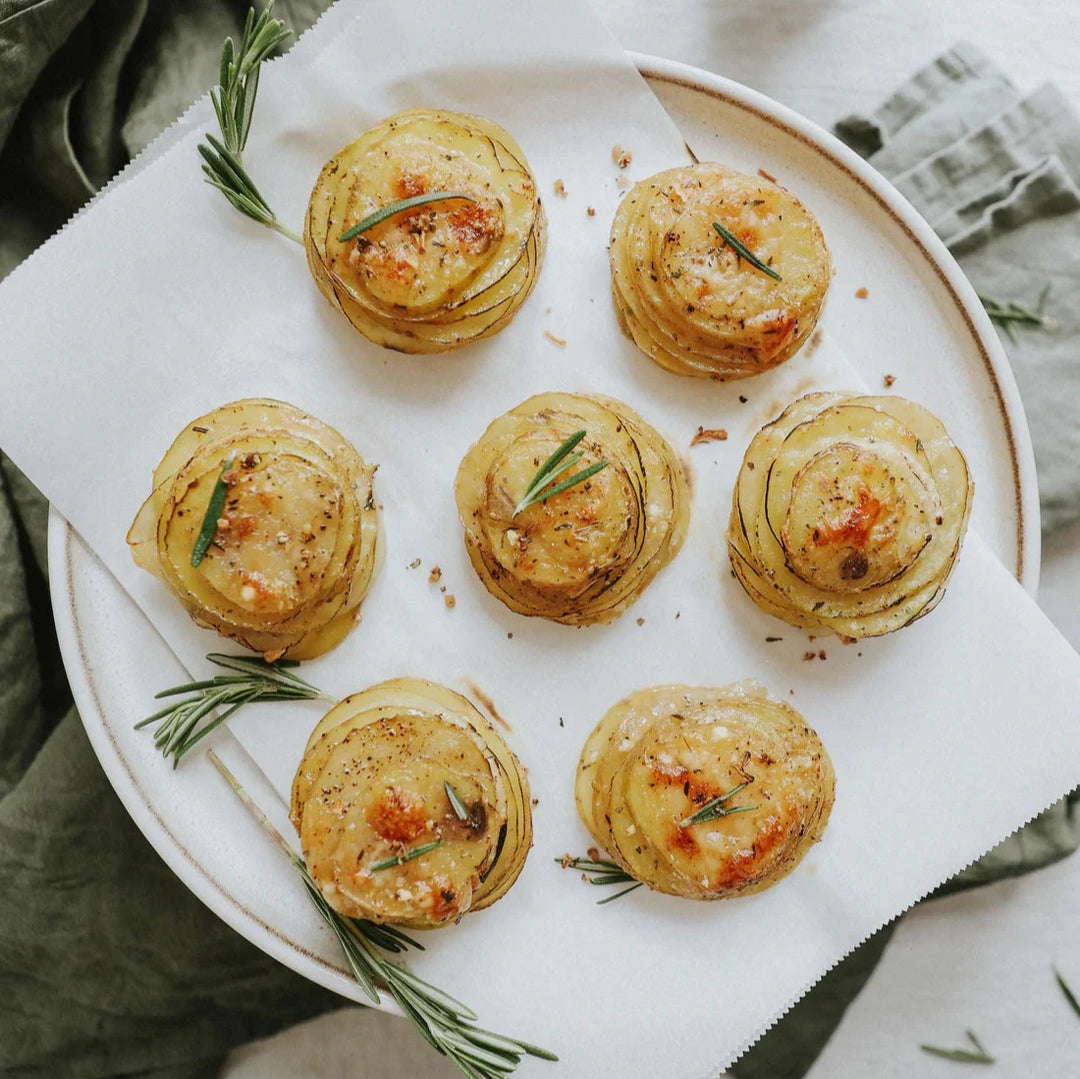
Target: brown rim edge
[138,788]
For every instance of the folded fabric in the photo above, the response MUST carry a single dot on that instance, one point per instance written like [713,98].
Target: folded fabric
[996,175]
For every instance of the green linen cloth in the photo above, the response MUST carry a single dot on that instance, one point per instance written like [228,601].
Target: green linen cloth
[108,965]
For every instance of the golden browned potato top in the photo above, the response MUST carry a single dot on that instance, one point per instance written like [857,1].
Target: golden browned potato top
[703,792]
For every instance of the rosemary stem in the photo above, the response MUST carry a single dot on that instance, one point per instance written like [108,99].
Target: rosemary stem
[255,811]
[287,232]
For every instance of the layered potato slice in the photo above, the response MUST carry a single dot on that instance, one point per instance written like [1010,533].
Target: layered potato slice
[379,829]
[705,793]
[294,545]
[586,553]
[848,514]
[440,274]
[689,298]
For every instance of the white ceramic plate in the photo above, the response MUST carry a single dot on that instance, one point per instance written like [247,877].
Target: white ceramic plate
[116,662]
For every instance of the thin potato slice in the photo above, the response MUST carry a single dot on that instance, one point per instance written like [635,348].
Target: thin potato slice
[664,753]
[393,726]
[848,514]
[689,298]
[438,275]
[294,548]
[585,554]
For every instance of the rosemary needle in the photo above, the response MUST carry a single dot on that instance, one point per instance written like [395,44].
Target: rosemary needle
[445,1023]
[1069,995]
[559,462]
[377,217]
[962,1056]
[208,703]
[743,251]
[212,515]
[456,804]
[408,856]
[714,809]
[600,871]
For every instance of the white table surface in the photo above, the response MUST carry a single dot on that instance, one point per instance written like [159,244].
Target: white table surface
[980,960]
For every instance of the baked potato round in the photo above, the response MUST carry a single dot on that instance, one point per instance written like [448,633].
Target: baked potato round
[848,514]
[288,549]
[410,807]
[683,247]
[584,554]
[705,793]
[436,275]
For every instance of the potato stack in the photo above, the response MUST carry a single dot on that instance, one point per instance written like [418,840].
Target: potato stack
[586,553]
[683,249]
[410,807]
[848,514]
[291,547]
[705,793]
[439,274]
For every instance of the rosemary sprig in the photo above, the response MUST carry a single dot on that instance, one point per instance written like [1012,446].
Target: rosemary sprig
[600,871]
[408,856]
[212,515]
[456,804]
[1069,995]
[445,1023]
[377,217]
[559,462]
[714,809]
[210,702]
[743,251]
[234,105]
[963,1056]
[1007,314]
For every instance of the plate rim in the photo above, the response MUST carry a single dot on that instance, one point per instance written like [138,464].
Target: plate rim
[199,878]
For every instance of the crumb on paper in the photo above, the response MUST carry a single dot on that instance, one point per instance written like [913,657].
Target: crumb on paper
[743,398]
[434,575]
[594,853]
[560,189]
[677,615]
[862,293]
[450,602]
[766,175]
[821,654]
[547,310]
[623,183]
[641,621]
[889,380]
[590,210]
[709,434]
[807,656]
[561,723]
[413,564]
[773,640]
[509,635]
[442,588]
[847,640]
[621,157]
[560,341]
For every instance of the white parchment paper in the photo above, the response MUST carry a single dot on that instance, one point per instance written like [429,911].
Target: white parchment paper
[162,303]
